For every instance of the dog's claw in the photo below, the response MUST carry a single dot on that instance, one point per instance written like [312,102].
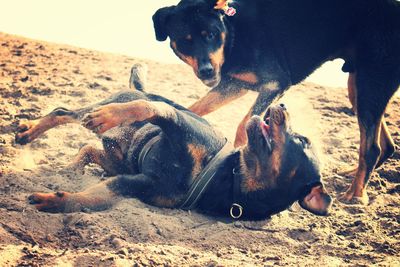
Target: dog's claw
[22,140]
[22,128]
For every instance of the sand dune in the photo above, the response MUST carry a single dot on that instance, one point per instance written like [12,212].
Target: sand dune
[36,77]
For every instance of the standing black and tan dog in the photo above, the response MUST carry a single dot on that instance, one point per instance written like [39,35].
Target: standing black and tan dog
[158,149]
[269,45]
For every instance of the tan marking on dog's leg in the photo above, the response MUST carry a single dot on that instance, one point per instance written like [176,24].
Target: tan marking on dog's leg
[213,101]
[98,197]
[357,191]
[352,90]
[111,115]
[241,136]
[352,94]
[30,130]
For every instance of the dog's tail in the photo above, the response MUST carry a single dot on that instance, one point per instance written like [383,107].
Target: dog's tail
[138,78]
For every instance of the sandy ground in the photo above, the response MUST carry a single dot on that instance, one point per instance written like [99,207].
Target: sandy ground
[36,77]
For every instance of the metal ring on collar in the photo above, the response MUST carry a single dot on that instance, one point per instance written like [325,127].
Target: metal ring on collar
[240,208]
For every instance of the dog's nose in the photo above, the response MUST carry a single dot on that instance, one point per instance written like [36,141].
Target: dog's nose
[282,106]
[206,71]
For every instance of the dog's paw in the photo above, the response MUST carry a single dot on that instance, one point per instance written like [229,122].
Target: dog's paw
[350,199]
[49,202]
[25,133]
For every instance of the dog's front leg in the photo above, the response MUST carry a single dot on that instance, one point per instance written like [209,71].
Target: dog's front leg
[224,93]
[268,93]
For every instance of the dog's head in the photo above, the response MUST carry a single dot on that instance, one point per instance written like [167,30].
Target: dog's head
[282,165]
[198,36]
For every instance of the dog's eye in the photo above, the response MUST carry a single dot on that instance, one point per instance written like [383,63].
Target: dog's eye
[188,38]
[209,36]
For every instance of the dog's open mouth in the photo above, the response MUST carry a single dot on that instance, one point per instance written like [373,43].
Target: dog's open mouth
[274,117]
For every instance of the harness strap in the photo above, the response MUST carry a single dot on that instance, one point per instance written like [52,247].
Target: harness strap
[203,179]
[146,149]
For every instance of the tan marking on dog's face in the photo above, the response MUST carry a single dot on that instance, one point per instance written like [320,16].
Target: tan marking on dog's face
[251,170]
[191,61]
[279,119]
[198,153]
[217,58]
[252,185]
[261,171]
[248,77]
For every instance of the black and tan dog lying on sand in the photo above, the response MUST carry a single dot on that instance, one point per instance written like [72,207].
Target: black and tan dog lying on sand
[161,153]
[269,45]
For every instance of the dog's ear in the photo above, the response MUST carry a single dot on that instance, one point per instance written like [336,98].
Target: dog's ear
[159,20]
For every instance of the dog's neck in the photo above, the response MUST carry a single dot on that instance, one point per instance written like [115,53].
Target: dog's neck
[226,189]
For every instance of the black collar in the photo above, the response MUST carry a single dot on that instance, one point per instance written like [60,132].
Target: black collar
[205,176]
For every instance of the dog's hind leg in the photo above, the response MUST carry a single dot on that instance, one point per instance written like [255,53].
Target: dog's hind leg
[30,130]
[352,91]
[352,94]
[386,142]
[99,197]
[374,91]
[89,154]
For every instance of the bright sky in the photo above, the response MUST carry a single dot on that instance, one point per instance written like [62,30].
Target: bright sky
[119,26]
